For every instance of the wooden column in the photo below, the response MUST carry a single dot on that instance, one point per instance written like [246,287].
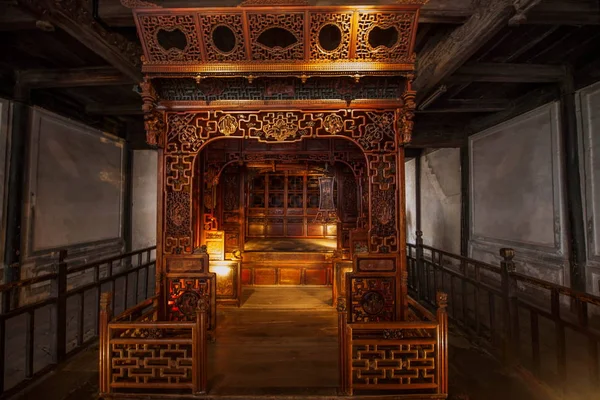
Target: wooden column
[418,192]
[14,189]
[465,206]
[576,222]
[128,198]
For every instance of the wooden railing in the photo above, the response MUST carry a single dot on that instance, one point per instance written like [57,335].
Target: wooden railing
[35,337]
[538,328]
[148,355]
[409,357]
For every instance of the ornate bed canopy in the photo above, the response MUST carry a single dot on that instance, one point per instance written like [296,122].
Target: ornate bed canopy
[279,71]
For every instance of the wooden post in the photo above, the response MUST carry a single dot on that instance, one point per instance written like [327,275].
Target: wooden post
[420,272]
[442,319]
[464,201]
[61,308]
[202,354]
[104,344]
[342,322]
[576,222]
[418,192]
[509,306]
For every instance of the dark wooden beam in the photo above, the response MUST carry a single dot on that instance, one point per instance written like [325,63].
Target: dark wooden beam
[441,61]
[114,109]
[503,72]
[528,102]
[467,106]
[437,133]
[75,18]
[12,19]
[76,77]
[434,12]
[563,12]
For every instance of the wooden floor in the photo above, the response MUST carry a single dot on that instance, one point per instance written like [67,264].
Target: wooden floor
[281,341]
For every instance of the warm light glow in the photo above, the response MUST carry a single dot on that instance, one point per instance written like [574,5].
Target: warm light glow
[221,270]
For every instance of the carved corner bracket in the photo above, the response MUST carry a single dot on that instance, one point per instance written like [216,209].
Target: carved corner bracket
[154,119]
[406,117]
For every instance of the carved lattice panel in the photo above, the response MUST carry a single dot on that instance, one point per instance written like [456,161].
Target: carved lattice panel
[234,22]
[184,294]
[151,26]
[384,229]
[372,131]
[343,21]
[372,299]
[395,363]
[290,22]
[162,365]
[399,51]
[280,89]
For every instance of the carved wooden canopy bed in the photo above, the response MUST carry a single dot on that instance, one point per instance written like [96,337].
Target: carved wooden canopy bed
[251,109]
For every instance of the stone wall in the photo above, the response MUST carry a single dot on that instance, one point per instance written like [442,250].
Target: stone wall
[440,199]
[411,201]
[74,193]
[589,128]
[144,197]
[517,194]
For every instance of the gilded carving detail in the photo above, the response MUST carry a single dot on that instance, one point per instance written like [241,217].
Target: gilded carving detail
[406,118]
[333,124]
[228,124]
[281,129]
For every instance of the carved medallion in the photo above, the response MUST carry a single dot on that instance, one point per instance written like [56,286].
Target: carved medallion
[187,303]
[373,302]
[280,129]
[333,124]
[227,125]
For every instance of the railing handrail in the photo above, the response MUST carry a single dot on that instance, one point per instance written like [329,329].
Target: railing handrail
[500,325]
[101,272]
[489,267]
[47,277]
[564,290]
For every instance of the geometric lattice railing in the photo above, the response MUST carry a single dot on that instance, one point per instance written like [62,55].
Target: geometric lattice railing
[147,356]
[408,357]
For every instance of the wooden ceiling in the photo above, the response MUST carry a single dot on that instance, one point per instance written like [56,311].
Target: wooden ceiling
[479,62]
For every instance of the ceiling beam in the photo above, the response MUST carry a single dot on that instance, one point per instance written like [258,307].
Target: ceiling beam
[75,18]
[12,19]
[435,12]
[505,72]
[449,54]
[563,12]
[467,106]
[523,104]
[116,110]
[76,77]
